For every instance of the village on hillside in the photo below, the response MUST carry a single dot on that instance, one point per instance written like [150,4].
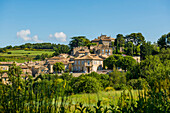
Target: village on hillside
[81,60]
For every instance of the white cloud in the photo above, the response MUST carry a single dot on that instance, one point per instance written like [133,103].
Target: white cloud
[35,39]
[23,34]
[59,36]
[50,35]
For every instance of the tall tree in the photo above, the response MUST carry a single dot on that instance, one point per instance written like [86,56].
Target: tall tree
[164,41]
[130,49]
[127,63]
[153,69]
[146,49]
[120,40]
[136,38]
[78,41]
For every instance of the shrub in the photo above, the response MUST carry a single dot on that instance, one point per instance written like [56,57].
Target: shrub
[117,79]
[109,89]
[9,52]
[102,78]
[137,83]
[86,84]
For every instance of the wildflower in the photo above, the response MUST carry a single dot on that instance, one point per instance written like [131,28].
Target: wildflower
[19,88]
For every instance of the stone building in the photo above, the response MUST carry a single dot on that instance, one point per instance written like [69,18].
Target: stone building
[51,61]
[79,51]
[104,40]
[4,66]
[88,63]
[103,50]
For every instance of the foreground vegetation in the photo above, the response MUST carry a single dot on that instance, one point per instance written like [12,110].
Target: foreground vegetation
[65,93]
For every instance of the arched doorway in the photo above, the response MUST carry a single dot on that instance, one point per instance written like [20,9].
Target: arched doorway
[99,67]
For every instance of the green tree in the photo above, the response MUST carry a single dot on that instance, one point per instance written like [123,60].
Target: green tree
[120,40]
[127,63]
[136,38]
[86,84]
[164,41]
[37,57]
[146,49]
[137,50]
[79,41]
[112,61]
[117,79]
[58,67]
[130,49]
[152,69]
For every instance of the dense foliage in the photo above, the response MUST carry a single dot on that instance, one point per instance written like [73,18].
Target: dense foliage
[79,41]
[49,92]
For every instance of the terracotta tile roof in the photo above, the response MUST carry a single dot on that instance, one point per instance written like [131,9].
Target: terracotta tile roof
[89,57]
[26,71]
[52,62]
[81,51]
[4,75]
[106,39]
[95,40]
[8,63]
[24,67]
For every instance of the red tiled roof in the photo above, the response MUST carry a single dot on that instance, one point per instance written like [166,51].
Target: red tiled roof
[9,63]
[4,75]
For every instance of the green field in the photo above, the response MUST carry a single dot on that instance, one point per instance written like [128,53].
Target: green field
[107,98]
[23,55]
[23,52]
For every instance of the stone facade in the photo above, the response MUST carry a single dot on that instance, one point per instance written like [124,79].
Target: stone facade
[103,50]
[104,40]
[80,50]
[88,63]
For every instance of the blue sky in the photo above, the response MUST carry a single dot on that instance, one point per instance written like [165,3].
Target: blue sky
[56,21]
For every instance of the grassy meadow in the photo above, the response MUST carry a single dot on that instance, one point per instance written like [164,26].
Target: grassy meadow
[23,55]
[107,98]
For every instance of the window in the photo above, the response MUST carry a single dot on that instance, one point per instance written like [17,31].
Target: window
[102,51]
[78,68]
[106,50]
[82,62]
[109,50]
[88,62]
[75,62]
[79,62]
[106,53]
[109,53]
[100,62]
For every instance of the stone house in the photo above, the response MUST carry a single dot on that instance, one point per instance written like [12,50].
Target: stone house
[103,50]
[4,66]
[51,61]
[104,40]
[88,63]
[79,51]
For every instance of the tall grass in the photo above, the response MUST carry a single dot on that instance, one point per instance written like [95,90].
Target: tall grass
[49,94]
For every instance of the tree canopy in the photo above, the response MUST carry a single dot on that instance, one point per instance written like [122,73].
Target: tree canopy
[58,67]
[79,41]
